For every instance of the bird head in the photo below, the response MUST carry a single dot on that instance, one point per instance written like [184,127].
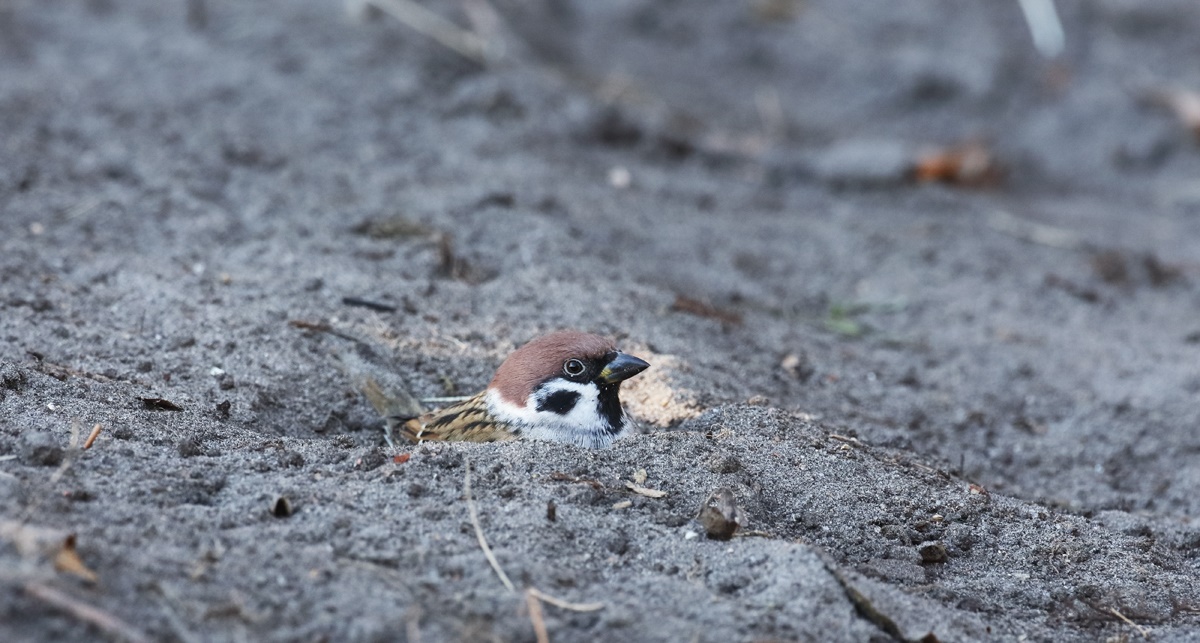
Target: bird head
[565,387]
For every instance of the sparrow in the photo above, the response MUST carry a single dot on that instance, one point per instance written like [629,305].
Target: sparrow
[561,387]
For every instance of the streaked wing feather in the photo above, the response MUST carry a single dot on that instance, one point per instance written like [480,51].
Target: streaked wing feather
[467,421]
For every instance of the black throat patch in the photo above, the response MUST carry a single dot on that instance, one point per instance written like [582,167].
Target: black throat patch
[560,402]
[609,402]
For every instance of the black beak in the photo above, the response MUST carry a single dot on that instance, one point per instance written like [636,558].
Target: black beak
[621,368]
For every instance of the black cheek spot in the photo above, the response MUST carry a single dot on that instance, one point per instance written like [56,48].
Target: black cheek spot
[560,402]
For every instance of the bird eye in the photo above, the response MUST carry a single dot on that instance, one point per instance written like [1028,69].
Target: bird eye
[574,368]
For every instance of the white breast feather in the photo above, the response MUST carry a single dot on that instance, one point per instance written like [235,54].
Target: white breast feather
[583,425]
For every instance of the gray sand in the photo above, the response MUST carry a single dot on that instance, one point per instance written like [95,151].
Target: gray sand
[944,411]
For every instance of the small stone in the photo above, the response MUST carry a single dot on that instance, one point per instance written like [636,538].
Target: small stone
[40,449]
[281,507]
[932,551]
[720,515]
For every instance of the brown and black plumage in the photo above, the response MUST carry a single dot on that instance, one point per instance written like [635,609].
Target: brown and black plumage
[466,421]
[562,387]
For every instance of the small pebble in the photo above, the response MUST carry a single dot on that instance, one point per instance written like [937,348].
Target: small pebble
[720,515]
[281,507]
[932,551]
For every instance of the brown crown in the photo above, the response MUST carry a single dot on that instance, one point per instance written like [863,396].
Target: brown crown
[543,358]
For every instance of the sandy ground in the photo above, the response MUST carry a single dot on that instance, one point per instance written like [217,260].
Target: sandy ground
[944,411]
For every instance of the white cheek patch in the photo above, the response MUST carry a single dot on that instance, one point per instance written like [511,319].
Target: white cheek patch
[585,412]
[582,425]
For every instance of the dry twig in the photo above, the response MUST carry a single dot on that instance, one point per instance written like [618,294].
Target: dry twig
[302,324]
[465,43]
[566,605]
[1045,26]
[643,491]
[704,309]
[533,601]
[536,617]
[533,596]
[559,476]
[483,544]
[1145,632]
[91,438]
[412,624]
